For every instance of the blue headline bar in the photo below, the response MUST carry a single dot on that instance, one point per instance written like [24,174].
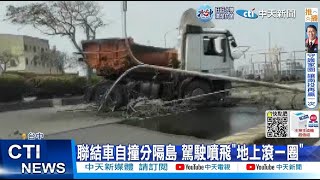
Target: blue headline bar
[212,152]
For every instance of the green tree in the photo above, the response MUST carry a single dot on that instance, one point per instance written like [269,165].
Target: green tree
[60,18]
[8,59]
[55,59]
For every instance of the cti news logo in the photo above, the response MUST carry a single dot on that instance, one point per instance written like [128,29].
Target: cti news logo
[251,167]
[29,152]
[247,13]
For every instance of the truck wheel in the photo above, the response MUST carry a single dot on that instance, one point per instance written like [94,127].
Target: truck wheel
[196,88]
[100,90]
[116,98]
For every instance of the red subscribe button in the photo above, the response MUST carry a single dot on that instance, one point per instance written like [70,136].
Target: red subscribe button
[251,167]
[180,167]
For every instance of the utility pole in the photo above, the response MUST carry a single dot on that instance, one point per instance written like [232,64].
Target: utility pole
[270,47]
[124,10]
[280,70]
[270,59]
[293,66]
[265,65]
[165,36]
[252,65]
[269,41]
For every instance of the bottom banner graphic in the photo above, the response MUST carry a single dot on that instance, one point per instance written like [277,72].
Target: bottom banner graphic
[63,159]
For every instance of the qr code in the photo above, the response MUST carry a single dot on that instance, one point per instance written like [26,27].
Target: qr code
[277,124]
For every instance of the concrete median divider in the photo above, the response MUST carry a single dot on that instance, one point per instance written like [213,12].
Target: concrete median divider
[43,103]
[249,136]
[14,106]
[72,101]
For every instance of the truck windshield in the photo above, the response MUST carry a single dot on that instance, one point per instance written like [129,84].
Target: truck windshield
[213,46]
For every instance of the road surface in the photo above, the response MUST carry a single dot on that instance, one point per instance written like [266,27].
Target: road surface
[87,127]
[203,126]
[48,121]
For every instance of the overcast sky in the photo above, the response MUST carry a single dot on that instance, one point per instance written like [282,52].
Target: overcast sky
[149,21]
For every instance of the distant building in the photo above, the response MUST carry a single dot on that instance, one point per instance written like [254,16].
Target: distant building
[28,52]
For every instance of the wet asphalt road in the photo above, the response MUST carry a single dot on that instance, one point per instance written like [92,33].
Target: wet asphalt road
[48,121]
[201,126]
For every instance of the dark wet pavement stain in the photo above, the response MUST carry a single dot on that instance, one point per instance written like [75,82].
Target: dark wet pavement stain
[209,123]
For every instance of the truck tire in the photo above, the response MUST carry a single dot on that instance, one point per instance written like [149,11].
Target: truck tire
[99,90]
[116,98]
[197,87]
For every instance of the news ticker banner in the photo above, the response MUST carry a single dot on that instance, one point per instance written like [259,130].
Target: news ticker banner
[311,59]
[64,159]
[292,124]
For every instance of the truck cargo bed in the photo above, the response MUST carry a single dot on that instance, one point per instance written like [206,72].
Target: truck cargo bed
[111,57]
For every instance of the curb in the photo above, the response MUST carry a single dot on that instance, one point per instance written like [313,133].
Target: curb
[14,106]
[249,136]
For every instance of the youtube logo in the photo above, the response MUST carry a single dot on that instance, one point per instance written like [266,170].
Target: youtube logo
[251,167]
[179,167]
